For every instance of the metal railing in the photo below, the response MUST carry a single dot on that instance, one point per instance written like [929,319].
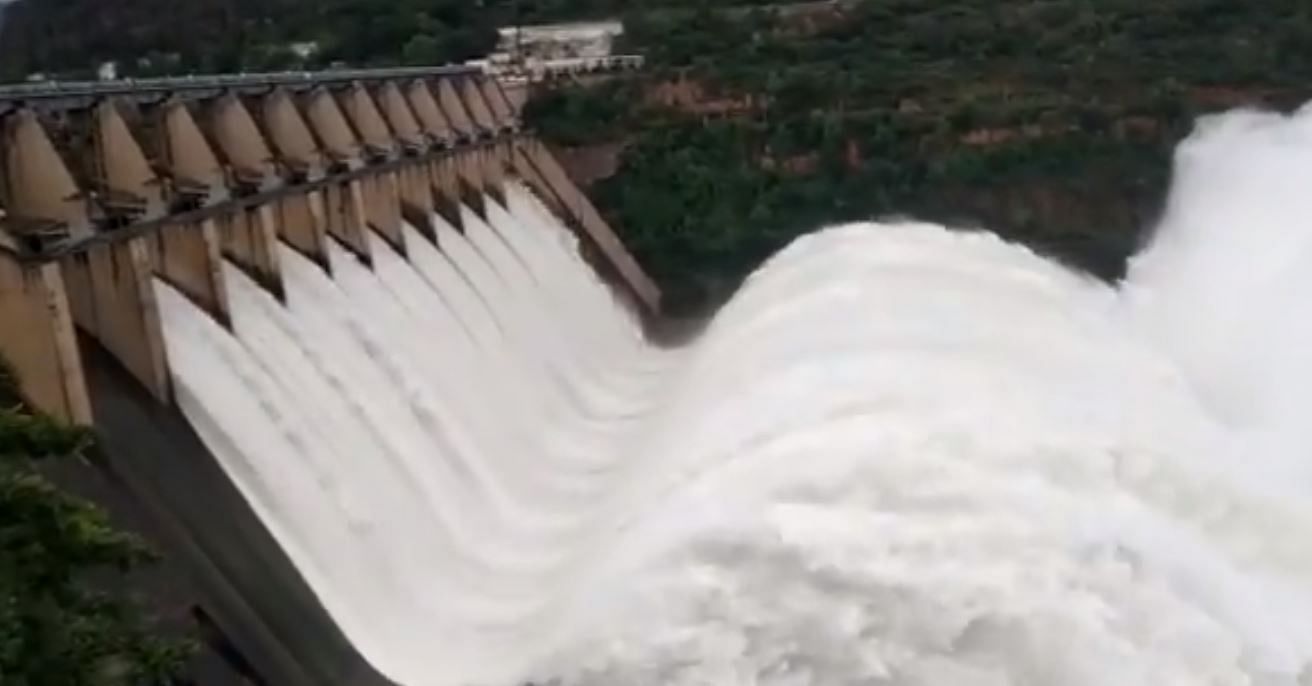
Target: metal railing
[65,89]
[540,69]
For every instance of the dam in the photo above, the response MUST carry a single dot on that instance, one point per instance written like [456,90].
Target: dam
[386,380]
[139,216]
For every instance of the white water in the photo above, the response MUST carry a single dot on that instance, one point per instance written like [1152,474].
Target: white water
[901,455]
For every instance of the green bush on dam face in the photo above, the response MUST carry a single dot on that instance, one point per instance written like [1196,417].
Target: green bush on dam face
[57,627]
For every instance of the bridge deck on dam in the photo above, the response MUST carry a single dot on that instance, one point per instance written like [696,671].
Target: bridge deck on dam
[124,203]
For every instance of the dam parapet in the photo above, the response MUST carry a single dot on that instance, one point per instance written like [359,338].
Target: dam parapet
[107,186]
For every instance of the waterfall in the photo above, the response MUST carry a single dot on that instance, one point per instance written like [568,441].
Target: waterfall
[900,455]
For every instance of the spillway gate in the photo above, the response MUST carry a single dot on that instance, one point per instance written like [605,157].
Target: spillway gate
[106,186]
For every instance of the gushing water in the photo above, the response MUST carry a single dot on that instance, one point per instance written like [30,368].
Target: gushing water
[901,455]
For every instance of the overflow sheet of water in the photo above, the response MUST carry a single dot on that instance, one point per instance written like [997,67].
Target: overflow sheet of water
[902,455]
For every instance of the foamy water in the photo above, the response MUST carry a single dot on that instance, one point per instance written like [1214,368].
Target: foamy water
[901,455]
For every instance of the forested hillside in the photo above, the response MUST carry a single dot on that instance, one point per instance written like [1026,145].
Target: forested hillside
[1050,121]
[177,36]
[165,36]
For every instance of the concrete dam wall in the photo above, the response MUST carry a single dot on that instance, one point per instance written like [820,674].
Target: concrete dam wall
[129,209]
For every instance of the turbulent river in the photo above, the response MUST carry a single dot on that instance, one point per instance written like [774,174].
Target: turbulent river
[901,455]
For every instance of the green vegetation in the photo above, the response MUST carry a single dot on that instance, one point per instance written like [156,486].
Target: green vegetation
[1050,121]
[56,627]
[582,116]
[151,37]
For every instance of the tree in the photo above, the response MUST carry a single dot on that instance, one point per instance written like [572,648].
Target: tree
[422,49]
[57,627]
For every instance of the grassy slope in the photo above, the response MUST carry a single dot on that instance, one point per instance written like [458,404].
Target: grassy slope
[1051,122]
